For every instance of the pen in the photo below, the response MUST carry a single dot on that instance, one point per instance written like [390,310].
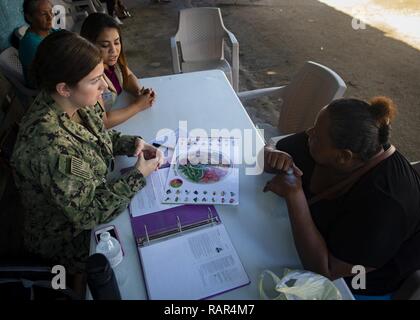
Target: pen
[157,145]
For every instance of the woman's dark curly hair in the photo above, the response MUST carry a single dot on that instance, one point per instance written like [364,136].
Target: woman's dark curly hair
[359,126]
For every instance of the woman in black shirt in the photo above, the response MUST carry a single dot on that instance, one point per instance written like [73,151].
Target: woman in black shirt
[373,221]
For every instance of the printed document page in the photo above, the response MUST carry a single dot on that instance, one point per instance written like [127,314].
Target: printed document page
[149,199]
[192,265]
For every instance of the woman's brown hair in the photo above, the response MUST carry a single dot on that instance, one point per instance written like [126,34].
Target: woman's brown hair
[63,56]
[93,26]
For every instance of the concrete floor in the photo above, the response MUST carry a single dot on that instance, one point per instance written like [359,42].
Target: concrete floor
[276,37]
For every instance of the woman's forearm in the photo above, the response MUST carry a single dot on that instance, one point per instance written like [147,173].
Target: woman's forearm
[115,117]
[132,85]
[310,244]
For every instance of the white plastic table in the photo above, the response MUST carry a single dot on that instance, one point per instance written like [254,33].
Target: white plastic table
[259,226]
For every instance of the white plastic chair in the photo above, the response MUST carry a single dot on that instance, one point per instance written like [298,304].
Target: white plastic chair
[312,88]
[199,44]
[11,68]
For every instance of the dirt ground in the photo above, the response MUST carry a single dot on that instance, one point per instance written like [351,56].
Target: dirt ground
[276,37]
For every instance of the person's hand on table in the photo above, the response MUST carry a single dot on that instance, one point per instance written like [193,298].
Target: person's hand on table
[149,158]
[145,98]
[276,160]
[284,184]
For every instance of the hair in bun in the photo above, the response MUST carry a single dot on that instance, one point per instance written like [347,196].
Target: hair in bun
[382,109]
[359,126]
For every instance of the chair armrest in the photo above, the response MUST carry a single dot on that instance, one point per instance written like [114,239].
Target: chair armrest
[232,39]
[235,59]
[273,140]
[258,93]
[175,56]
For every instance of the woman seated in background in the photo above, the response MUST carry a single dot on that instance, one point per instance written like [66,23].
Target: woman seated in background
[63,152]
[104,32]
[38,14]
[357,202]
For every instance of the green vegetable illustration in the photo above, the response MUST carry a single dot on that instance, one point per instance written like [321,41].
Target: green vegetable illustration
[192,172]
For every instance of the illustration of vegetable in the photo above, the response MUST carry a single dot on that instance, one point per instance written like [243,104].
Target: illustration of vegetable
[202,172]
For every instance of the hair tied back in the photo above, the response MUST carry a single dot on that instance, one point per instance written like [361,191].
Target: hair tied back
[383,110]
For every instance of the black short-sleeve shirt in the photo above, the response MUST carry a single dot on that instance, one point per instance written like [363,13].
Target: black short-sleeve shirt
[375,224]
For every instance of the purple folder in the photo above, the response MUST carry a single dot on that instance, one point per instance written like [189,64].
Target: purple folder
[172,219]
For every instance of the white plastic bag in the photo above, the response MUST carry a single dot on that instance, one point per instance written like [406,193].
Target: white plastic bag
[300,285]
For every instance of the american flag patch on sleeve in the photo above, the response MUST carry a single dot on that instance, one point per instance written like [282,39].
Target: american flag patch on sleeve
[79,168]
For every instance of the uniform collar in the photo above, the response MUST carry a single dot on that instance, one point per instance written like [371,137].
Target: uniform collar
[71,126]
[91,134]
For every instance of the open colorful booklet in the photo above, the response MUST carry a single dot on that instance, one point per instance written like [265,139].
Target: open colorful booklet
[204,171]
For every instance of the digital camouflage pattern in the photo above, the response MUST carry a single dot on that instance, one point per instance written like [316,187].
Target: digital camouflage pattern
[61,169]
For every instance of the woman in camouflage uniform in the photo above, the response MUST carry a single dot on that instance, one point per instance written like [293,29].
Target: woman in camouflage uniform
[63,152]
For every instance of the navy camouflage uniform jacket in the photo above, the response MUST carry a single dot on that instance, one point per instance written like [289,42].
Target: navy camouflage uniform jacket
[60,171]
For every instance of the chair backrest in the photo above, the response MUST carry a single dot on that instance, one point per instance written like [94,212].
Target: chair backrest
[312,88]
[200,34]
[11,67]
